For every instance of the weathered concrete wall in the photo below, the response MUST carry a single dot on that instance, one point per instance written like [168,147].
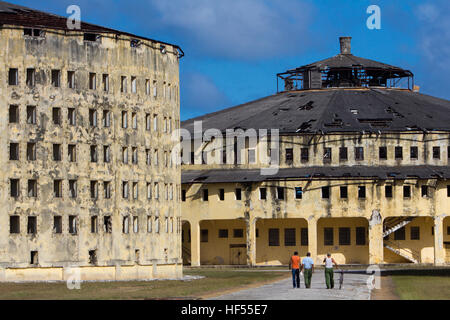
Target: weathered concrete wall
[115,57]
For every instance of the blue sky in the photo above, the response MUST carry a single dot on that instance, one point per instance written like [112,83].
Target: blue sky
[235,48]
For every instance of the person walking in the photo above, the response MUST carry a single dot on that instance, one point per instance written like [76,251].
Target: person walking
[329,272]
[308,269]
[294,265]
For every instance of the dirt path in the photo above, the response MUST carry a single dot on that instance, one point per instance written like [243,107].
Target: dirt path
[387,291]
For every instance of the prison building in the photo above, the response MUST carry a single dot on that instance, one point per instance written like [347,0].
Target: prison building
[87,184]
[360,170]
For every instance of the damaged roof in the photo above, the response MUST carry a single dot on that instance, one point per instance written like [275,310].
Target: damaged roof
[329,173]
[12,14]
[334,110]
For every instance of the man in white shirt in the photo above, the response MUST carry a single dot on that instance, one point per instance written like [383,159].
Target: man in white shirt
[308,269]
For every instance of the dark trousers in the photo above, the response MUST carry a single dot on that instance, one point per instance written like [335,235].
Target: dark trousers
[296,278]
[329,278]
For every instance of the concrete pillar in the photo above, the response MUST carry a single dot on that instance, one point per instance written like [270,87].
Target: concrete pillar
[312,238]
[376,242]
[439,250]
[251,242]
[195,243]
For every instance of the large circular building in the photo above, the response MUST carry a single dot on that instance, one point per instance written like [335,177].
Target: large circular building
[346,158]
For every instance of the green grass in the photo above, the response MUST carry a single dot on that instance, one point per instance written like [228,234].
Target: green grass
[422,287]
[215,281]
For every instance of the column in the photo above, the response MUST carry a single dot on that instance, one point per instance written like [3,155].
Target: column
[376,242]
[251,241]
[312,238]
[439,250]
[195,243]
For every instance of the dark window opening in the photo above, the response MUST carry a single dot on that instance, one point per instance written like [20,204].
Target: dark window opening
[344,192]
[425,191]
[183,195]
[361,192]
[383,153]
[13,77]
[360,236]
[31,77]
[15,188]
[400,234]
[73,225]
[406,192]
[344,236]
[223,233]
[328,237]
[94,224]
[289,237]
[388,191]
[298,193]
[31,151]
[327,155]
[14,224]
[398,153]
[280,193]
[107,224]
[93,37]
[57,224]
[343,154]
[204,235]
[238,233]
[205,195]
[14,114]
[34,258]
[221,194]
[414,153]
[32,225]
[274,237]
[31,115]
[93,257]
[73,189]
[263,193]
[359,153]
[304,155]
[14,151]
[56,78]
[436,153]
[325,192]
[304,237]
[56,115]
[415,233]
[238,194]
[57,152]
[289,155]
[57,188]
[32,188]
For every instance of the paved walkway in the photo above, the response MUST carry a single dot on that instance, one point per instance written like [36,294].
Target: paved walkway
[354,288]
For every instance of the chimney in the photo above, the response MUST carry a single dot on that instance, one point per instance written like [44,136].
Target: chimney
[346,45]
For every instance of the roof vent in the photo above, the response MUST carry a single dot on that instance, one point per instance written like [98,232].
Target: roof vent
[346,45]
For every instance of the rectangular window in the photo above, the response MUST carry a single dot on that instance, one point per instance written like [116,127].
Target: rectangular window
[204,235]
[14,224]
[124,119]
[57,152]
[93,118]
[31,77]
[280,193]
[344,237]
[125,190]
[136,224]
[56,116]
[274,237]
[436,153]
[148,122]
[92,81]
[56,78]
[126,225]
[289,238]
[289,155]
[325,192]
[133,85]
[327,155]
[149,191]
[32,225]
[448,191]
[72,153]
[425,191]
[383,153]
[238,233]
[205,194]
[31,151]
[134,120]
[304,155]
[344,192]
[135,191]
[57,188]
[94,224]
[388,191]
[361,192]
[147,87]
[13,151]
[359,153]
[94,189]
[134,155]
[238,194]
[149,224]
[407,192]
[328,236]
[125,155]
[304,236]
[400,234]
[222,194]
[107,224]
[105,82]
[415,233]
[73,227]
[106,118]
[251,156]
[72,117]
[107,154]
[71,79]
[14,114]
[32,188]
[94,154]
[31,115]
[414,153]
[123,84]
[155,122]
[57,224]
[360,236]
[223,233]
[13,77]
[298,193]
[73,189]
[398,153]
[183,195]
[155,89]
[107,190]
[343,154]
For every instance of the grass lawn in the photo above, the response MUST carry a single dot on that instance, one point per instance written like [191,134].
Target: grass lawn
[422,287]
[215,281]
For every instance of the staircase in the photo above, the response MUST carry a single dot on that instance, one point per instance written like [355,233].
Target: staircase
[408,254]
[390,227]
[395,224]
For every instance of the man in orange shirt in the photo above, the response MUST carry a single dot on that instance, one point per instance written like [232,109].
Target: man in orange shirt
[294,265]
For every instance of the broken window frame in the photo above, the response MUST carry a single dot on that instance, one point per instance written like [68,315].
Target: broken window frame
[31,115]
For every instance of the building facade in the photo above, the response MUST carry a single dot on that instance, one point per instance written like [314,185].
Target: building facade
[361,171]
[88,186]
